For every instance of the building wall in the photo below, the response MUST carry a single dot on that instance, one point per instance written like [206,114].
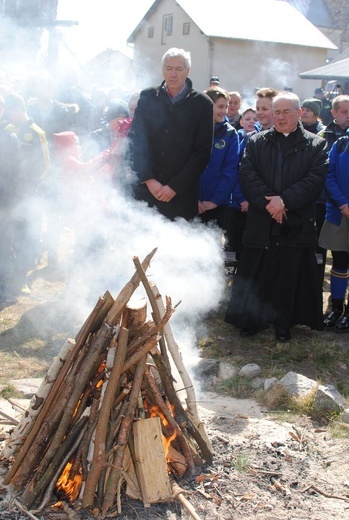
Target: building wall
[246,66]
[149,51]
[240,64]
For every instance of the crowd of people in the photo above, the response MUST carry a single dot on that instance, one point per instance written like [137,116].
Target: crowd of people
[60,152]
[270,172]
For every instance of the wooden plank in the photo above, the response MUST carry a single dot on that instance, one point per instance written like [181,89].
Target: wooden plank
[150,461]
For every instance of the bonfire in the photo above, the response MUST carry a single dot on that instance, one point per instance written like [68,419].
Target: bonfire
[107,418]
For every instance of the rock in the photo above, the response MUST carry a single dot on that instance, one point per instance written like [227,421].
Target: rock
[250,371]
[297,384]
[206,368]
[257,383]
[328,400]
[227,371]
[28,387]
[269,383]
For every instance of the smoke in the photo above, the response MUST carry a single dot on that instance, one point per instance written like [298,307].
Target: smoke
[105,228]
[188,265]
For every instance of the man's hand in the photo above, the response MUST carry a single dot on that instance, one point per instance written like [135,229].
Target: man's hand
[276,208]
[154,187]
[159,191]
[166,194]
[206,205]
[345,210]
[244,206]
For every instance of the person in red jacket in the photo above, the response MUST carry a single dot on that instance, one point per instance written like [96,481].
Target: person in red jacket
[82,186]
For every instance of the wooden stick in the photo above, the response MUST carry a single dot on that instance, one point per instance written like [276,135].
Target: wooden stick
[171,421]
[48,404]
[180,365]
[178,494]
[156,313]
[10,420]
[98,462]
[182,419]
[24,510]
[102,338]
[115,473]
[126,292]
[54,470]
[323,493]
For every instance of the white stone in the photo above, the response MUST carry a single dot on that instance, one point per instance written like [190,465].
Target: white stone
[269,383]
[250,371]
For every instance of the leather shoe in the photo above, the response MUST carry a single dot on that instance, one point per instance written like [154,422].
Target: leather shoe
[342,324]
[332,317]
[248,331]
[282,334]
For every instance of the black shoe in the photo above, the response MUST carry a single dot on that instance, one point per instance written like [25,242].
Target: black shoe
[282,334]
[332,317]
[249,331]
[342,324]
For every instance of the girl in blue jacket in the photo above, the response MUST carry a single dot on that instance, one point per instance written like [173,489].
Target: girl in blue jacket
[334,234]
[221,174]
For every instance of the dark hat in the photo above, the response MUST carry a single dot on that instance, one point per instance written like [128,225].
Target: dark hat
[319,90]
[215,80]
[117,108]
[313,104]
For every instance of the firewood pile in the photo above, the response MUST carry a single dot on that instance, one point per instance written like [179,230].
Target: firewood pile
[107,419]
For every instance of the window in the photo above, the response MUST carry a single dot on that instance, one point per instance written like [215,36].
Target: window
[167,23]
[186,28]
[150,32]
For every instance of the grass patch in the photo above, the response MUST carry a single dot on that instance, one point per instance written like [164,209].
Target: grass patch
[241,463]
[14,366]
[209,348]
[9,391]
[339,430]
[277,398]
[283,416]
[237,386]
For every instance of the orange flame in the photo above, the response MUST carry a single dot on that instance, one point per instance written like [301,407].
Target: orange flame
[155,411]
[69,486]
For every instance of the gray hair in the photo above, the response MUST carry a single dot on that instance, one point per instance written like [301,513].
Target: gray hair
[291,96]
[175,53]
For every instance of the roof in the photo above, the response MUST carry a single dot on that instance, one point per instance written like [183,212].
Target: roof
[268,21]
[316,11]
[334,70]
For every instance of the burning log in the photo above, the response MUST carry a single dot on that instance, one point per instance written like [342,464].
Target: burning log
[107,412]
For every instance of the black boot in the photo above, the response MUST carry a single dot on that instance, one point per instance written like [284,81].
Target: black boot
[332,317]
[342,325]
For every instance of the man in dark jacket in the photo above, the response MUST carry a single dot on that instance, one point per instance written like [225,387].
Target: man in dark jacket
[282,173]
[171,140]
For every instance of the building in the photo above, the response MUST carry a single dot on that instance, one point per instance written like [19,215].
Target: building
[256,44]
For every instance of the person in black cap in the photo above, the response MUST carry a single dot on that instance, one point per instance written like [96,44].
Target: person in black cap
[326,106]
[310,116]
[214,81]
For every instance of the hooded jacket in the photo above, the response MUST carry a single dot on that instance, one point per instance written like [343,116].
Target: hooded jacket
[221,174]
[337,181]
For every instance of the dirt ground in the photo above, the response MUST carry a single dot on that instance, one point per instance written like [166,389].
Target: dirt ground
[265,465]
